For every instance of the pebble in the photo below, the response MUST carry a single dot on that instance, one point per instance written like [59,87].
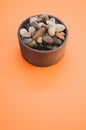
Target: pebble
[51,31]
[34,19]
[60,35]
[55,47]
[57,41]
[44,16]
[28,34]
[39,33]
[49,47]
[50,23]
[31,29]
[52,19]
[27,40]
[39,40]
[35,24]
[41,24]
[22,31]
[32,44]
[60,27]
[48,39]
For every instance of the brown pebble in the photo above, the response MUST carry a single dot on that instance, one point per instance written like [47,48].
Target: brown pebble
[60,35]
[48,39]
[39,33]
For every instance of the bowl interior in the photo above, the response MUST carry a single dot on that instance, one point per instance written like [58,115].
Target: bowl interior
[41,51]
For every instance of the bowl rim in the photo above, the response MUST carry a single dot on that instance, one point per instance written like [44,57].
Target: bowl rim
[42,51]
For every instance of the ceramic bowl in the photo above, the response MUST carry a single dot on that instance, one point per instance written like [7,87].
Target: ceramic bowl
[39,57]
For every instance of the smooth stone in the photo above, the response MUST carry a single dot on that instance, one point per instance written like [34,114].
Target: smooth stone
[32,44]
[48,39]
[35,24]
[60,27]
[51,31]
[41,24]
[55,47]
[60,35]
[50,23]
[44,16]
[39,33]
[39,40]
[27,40]
[22,31]
[52,19]
[31,29]
[35,18]
[57,41]
[48,47]
[28,34]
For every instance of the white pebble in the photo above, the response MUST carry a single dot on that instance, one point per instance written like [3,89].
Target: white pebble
[33,19]
[31,29]
[22,31]
[51,31]
[52,19]
[60,27]
[50,23]
[41,24]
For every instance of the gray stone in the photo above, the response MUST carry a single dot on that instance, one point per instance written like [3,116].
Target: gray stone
[27,40]
[48,39]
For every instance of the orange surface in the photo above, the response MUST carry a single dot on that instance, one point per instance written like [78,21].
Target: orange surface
[50,98]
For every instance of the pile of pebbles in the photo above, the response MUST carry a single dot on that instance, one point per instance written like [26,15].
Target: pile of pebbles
[43,32]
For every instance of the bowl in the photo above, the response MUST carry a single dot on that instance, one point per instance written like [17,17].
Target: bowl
[40,57]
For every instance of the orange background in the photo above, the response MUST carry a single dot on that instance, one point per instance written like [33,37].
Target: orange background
[50,98]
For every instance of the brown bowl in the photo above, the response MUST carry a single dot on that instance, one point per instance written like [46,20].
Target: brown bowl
[40,57]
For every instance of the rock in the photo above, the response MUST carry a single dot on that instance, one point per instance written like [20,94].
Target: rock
[50,23]
[22,31]
[35,24]
[39,40]
[55,47]
[34,19]
[32,44]
[60,27]
[52,19]
[44,17]
[60,35]
[41,24]
[48,47]
[57,41]
[48,39]
[63,33]
[51,31]
[28,34]
[27,40]
[39,33]
[31,29]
